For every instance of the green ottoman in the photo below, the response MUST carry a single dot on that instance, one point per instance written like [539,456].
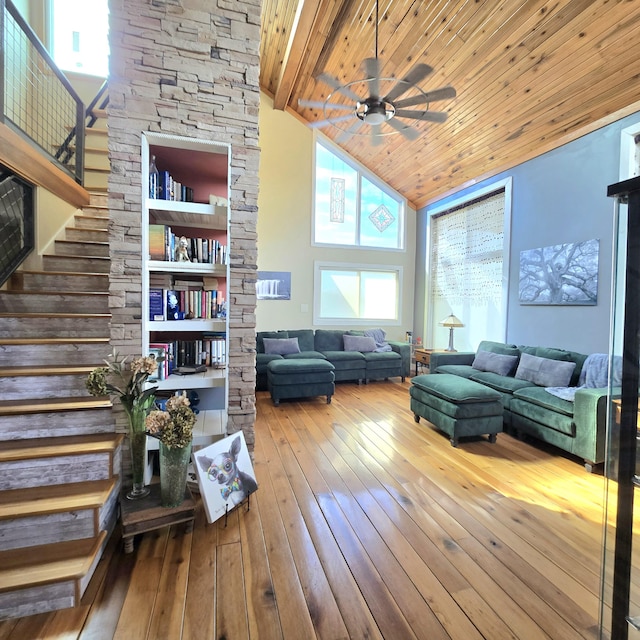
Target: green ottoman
[457,406]
[300,378]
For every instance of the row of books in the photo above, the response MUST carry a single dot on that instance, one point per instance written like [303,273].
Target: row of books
[191,304]
[166,245]
[162,186]
[210,352]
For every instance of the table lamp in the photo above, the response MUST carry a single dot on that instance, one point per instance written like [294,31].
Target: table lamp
[452,322]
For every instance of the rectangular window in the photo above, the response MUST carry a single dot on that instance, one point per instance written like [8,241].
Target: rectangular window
[354,209]
[467,269]
[80,35]
[356,293]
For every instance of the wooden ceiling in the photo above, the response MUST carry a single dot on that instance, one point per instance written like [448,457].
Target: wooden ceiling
[530,75]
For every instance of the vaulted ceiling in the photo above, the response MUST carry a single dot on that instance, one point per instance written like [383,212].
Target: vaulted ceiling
[530,75]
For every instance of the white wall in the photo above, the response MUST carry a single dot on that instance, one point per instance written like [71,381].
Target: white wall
[284,227]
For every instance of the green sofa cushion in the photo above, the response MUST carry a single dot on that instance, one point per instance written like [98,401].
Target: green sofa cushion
[462,370]
[537,414]
[305,355]
[461,410]
[499,347]
[455,389]
[500,383]
[299,365]
[305,338]
[328,340]
[263,359]
[541,397]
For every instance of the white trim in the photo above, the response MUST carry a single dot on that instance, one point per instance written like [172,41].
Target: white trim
[369,175]
[507,185]
[319,265]
[628,168]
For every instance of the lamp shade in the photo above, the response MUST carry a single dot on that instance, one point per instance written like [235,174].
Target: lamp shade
[451,321]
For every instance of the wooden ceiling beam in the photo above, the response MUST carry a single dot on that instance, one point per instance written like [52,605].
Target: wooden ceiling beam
[303,27]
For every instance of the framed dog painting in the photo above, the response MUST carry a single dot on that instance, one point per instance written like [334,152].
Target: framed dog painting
[225,475]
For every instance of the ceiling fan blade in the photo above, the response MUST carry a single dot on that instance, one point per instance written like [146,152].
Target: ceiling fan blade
[318,104]
[408,132]
[376,135]
[345,135]
[334,83]
[428,96]
[323,123]
[428,116]
[372,69]
[416,74]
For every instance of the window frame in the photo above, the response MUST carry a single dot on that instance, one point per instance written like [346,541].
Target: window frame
[361,172]
[320,265]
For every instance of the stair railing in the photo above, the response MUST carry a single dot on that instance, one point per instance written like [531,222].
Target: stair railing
[36,99]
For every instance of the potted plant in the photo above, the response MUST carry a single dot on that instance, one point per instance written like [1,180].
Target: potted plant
[128,381]
[173,427]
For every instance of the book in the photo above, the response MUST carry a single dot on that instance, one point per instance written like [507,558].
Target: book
[156,305]
[160,355]
[173,306]
[157,242]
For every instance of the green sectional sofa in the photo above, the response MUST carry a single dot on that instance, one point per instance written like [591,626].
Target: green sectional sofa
[521,374]
[350,364]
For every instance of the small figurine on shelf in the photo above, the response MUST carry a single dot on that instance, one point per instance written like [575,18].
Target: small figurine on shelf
[182,251]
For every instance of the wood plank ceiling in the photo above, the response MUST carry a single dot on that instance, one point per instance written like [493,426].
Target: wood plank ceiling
[530,75]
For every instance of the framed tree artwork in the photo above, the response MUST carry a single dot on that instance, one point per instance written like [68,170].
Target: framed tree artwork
[562,274]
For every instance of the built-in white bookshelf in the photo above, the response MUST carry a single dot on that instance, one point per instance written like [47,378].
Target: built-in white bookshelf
[203,167]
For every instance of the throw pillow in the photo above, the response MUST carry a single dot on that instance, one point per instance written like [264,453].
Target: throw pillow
[281,346]
[498,363]
[545,372]
[363,344]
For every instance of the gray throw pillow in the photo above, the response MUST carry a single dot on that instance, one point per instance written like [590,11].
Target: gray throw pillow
[281,346]
[364,344]
[544,371]
[498,363]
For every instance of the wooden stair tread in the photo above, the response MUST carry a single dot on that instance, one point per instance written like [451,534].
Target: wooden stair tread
[98,169]
[83,230]
[66,274]
[59,498]
[90,242]
[39,314]
[50,405]
[98,113]
[57,292]
[50,563]
[73,256]
[46,370]
[61,446]
[52,341]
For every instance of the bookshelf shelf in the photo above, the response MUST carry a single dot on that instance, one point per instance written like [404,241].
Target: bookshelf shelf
[202,169]
[209,378]
[196,268]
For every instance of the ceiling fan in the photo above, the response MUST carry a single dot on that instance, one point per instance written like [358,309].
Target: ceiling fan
[375,109]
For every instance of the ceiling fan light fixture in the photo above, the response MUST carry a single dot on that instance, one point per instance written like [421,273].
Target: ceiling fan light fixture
[373,111]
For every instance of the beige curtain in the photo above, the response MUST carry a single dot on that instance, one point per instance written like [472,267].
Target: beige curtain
[466,272]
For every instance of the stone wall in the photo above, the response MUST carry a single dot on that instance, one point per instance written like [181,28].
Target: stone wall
[187,68]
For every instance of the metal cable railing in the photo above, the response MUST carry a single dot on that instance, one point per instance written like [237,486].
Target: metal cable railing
[37,98]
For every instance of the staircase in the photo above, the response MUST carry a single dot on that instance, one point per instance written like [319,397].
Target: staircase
[59,452]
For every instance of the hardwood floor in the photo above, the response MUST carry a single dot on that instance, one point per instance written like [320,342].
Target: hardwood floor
[365,525]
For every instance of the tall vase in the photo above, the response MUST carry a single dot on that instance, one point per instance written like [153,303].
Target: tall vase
[138,448]
[174,463]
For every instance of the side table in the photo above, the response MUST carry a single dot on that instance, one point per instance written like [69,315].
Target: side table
[148,514]
[423,358]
